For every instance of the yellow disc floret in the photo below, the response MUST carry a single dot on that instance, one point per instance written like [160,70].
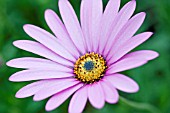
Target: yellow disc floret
[90,68]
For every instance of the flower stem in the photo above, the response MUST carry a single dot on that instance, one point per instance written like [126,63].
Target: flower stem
[140,106]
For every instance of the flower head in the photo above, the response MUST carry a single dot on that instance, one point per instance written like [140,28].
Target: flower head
[82,60]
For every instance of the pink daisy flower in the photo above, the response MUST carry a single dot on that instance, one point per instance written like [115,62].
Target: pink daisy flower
[82,59]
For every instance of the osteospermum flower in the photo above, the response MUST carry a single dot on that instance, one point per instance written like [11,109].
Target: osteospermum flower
[82,60]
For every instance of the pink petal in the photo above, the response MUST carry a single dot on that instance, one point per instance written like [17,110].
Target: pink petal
[129,45]
[53,89]
[143,54]
[110,92]
[48,40]
[41,50]
[78,101]
[120,20]
[28,75]
[123,83]
[96,95]
[85,22]
[34,87]
[72,24]
[126,32]
[56,100]
[111,9]
[37,63]
[60,31]
[125,64]
[91,13]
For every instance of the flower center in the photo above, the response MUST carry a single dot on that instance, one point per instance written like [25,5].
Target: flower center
[90,68]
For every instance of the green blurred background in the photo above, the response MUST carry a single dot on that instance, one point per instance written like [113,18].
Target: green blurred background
[153,78]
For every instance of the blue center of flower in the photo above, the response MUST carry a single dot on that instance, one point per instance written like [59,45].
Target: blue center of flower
[89,65]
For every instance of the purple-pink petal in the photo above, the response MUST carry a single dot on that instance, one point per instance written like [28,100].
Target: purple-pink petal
[56,100]
[122,83]
[54,89]
[38,74]
[112,8]
[129,45]
[39,49]
[120,20]
[37,63]
[91,13]
[78,101]
[125,64]
[143,54]
[85,23]
[34,87]
[60,31]
[48,40]
[129,29]
[96,95]
[110,92]
[72,24]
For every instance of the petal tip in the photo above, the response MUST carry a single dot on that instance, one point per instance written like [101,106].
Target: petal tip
[60,1]
[26,26]
[155,55]
[134,2]
[48,11]
[18,43]
[135,91]
[48,108]
[12,78]
[29,28]
[135,88]
[115,102]
[147,34]
[143,14]
[36,99]
[9,63]
[150,33]
[100,107]
[18,95]
[15,77]
[15,43]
